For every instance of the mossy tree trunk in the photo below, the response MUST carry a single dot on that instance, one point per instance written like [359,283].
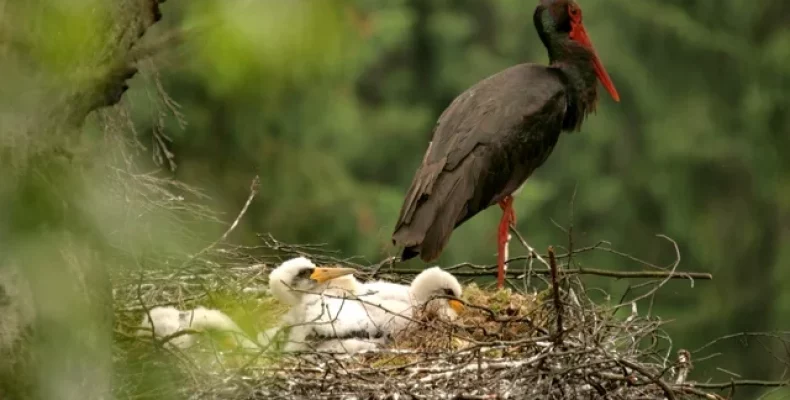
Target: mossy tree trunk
[61,62]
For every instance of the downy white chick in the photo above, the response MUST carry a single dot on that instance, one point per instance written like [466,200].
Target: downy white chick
[427,284]
[378,312]
[433,282]
[169,320]
[298,277]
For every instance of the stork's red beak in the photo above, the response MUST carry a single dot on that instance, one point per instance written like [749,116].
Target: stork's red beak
[579,34]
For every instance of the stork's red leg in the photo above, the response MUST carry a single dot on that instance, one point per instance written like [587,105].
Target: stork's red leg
[508,219]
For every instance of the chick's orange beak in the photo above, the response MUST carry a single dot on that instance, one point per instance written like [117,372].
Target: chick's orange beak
[322,275]
[456,305]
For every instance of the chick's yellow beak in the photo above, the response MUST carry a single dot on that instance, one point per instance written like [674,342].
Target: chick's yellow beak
[322,275]
[456,305]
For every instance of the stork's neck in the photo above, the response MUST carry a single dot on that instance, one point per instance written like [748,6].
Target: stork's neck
[575,61]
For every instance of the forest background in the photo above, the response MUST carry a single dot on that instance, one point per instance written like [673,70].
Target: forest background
[332,103]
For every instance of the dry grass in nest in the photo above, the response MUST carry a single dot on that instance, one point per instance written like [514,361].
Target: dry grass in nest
[499,315]
[502,314]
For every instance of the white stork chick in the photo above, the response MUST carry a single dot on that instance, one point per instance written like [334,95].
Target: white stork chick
[164,322]
[298,277]
[346,325]
[387,290]
[381,311]
[167,321]
[437,282]
[324,309]
[427,284]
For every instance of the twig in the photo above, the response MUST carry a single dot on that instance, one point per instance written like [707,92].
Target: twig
[528,247]
[699,393]
[254,186]
[774,335]
[556,289]
[181,332]
[374,269]
[655,379]
[483,367]
[738,382]
[139,293]
[666,279]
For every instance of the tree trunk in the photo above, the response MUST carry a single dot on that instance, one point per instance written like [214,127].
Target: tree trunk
[55,293]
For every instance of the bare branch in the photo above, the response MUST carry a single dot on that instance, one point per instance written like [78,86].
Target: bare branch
[254,186]
[738,382]
[586,271]
[555,287]
[656,379]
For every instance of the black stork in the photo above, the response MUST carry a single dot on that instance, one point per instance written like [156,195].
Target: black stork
[495,134]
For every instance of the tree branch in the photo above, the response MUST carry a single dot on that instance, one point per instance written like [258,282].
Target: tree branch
[586,271]
[738,382]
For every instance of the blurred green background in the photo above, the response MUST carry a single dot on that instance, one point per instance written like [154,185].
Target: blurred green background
[332,103]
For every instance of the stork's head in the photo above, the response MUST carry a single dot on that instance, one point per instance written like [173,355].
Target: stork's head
[437,282]
[559,24]
[291,279]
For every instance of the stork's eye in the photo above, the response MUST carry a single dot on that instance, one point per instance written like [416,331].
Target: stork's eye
[449,292]
[574,12]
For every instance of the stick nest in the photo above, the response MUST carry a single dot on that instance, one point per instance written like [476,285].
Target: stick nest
[508,343]
[502,347]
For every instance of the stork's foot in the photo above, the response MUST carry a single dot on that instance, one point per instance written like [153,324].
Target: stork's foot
[503,237]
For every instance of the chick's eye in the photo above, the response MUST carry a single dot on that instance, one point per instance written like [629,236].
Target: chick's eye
[449,292]
[305,272]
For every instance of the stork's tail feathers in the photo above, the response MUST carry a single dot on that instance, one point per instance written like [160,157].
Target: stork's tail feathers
[409,253]
[428,231]
[428,243]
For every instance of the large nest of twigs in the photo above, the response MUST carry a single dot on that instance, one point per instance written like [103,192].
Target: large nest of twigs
[515,343]
[505,346]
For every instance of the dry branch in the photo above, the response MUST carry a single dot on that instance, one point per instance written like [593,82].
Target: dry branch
[555,287]
[738,382]
[254,187]
[586,271]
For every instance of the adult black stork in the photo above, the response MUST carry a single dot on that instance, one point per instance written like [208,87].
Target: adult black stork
[495,134]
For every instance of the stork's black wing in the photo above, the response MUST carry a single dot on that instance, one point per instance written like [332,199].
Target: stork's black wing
[484,146]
